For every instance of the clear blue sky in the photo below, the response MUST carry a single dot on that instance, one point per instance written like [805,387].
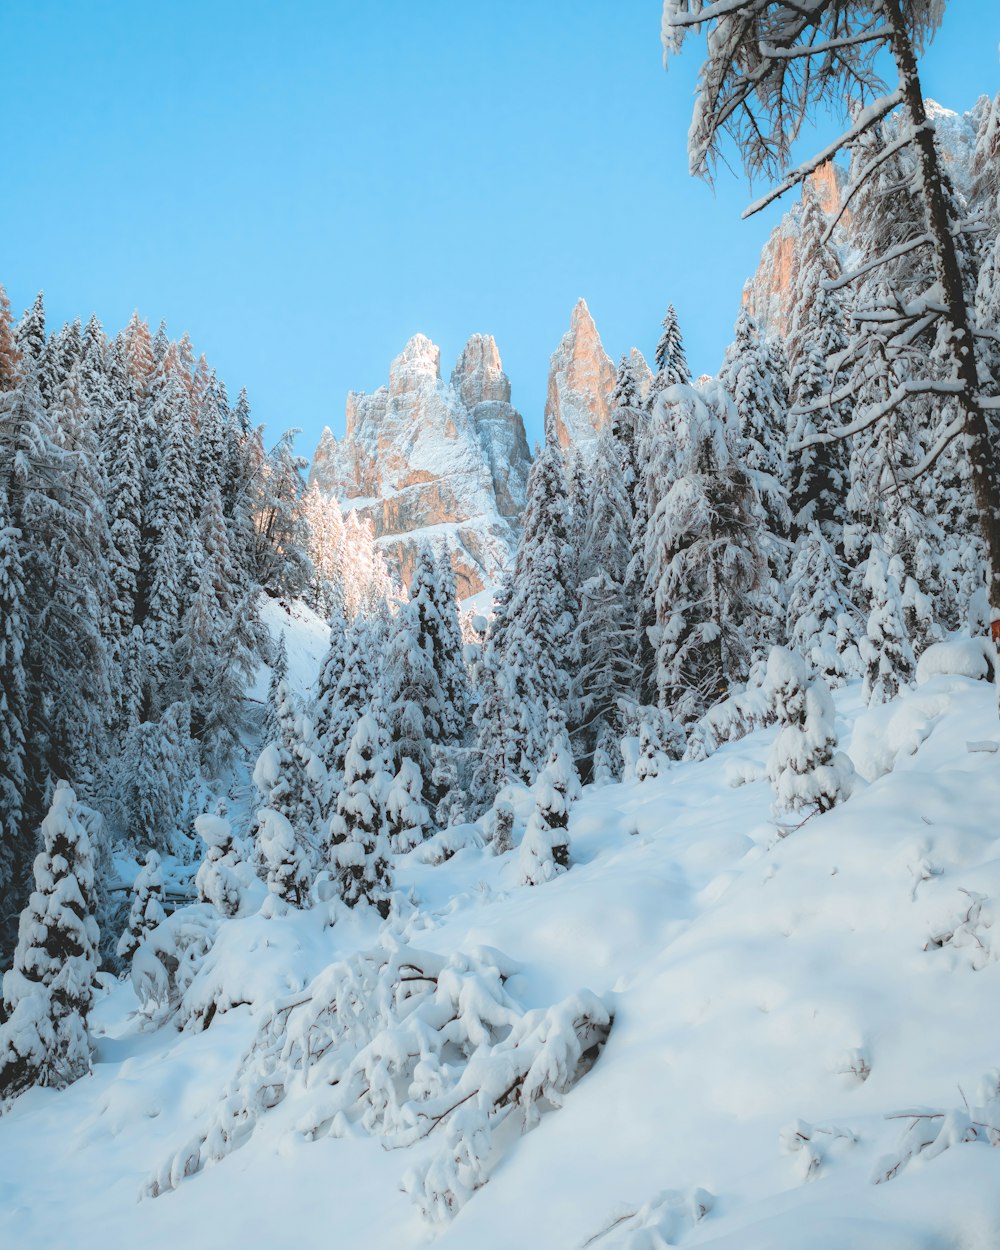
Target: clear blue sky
[302,186]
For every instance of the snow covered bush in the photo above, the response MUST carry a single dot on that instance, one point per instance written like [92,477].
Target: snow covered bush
[399,1043]
[224,875]
[961,657]
[147,910]
[806,770]
[47,993]
[167,962]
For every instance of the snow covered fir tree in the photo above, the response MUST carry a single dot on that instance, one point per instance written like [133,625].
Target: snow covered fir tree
[519,842]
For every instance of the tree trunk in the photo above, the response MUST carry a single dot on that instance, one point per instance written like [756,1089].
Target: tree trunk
[939,225]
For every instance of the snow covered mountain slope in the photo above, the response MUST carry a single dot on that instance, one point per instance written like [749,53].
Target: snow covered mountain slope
[774,1001]
[429,459]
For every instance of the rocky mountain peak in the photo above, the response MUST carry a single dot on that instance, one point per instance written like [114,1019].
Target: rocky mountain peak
[478,375]
[581,379]
[434,461]
[418,363]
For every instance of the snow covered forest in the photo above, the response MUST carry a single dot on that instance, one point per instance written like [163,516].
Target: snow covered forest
[650,898]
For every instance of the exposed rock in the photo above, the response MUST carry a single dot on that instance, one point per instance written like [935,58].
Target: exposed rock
[432,460]
[768,292]
[581,380]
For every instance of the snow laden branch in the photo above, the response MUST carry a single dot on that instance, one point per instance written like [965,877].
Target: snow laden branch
[930,1132]
[866,120]
[410,1047]
[876,412]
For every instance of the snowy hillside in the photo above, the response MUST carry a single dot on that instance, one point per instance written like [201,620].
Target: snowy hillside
[793,1019]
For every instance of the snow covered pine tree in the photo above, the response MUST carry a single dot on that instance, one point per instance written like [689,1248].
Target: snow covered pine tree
[48,992]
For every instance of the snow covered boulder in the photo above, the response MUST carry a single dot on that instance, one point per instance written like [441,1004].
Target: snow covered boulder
[960,657]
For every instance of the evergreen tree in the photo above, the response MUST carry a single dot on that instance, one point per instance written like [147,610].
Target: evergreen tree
[214,657]
[13,709]
[885,649]
[123,458]
[280,550]
[748,375]
[424,678]
[153,777]
[271,729]
[818,471]
[671,363]
[285,858]
[352,697]
[821,611]
[607,757]
[359,851]
[407,817]
[805,768]
[169,556]
[48,991]
[285,774]
[535,633]
[605,630]
[223,876]
[30,331]
[703,560]
[545,847]
[146,911]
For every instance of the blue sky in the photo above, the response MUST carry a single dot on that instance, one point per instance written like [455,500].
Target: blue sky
[302,186]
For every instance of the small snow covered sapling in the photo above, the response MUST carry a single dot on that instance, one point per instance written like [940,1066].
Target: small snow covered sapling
[147,909]
[48,992]
[885,649]
[359,849]
[502,839]
[223,877]
[545,848]
[407,818]
[607,757]
[647,766]
[289,873]
[806,770]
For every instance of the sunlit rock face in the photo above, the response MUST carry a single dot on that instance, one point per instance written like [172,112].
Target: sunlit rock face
[429,460]
[581,380]
[768,294]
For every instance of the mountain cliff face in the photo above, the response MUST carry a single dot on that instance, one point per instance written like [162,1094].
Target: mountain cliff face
[432,460]
[581,379]
[768,292]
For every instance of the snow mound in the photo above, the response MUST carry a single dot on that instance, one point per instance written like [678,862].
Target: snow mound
[960,657]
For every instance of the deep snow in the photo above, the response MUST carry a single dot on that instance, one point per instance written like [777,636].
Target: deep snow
[774,999]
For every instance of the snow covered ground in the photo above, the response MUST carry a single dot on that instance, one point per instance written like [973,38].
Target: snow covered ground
[774,1000]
